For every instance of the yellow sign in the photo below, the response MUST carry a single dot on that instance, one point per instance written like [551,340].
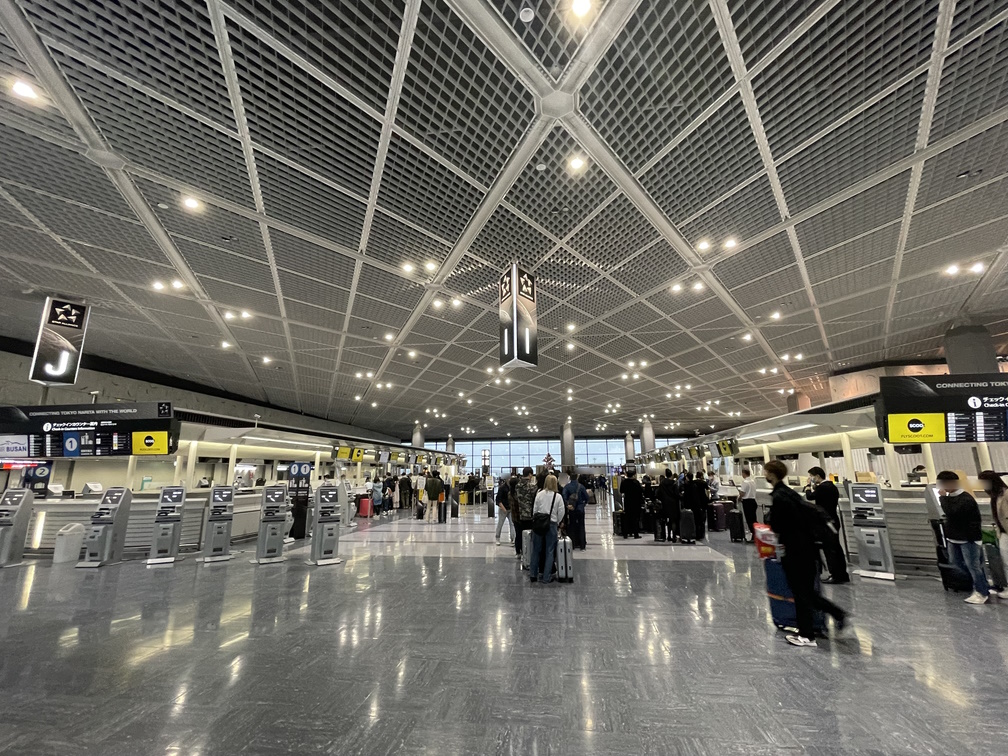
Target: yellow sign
[918,428]
[155,442]
[393,456]
[343,452]
[358,455]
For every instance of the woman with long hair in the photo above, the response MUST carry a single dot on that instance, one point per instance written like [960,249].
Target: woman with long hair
[995,486]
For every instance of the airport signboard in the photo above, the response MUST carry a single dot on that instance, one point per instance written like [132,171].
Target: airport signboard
[942,408]
[518,330]
[59,343]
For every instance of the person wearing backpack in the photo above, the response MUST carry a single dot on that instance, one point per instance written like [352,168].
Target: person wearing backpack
[548,510]
[822,491]
[575,497]
[799,525]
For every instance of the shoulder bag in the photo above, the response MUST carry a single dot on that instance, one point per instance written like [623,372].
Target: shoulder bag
[541,522]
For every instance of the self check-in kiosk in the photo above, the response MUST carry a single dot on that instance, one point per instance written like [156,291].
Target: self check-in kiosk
[875,555]
[104,541]
[167,526]
[15,512]
[326,527]
[217,528]
[272,525]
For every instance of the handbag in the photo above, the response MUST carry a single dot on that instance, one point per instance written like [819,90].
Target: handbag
[541,522]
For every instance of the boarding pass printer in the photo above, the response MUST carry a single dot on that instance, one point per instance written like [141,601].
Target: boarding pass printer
[217,528]
[875,557]
[272,525]
[15,512]
[326,527]
[167,526]
[106,537]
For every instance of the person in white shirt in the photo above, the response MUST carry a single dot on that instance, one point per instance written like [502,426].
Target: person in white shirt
[747,496]
[547,502]
[714,484]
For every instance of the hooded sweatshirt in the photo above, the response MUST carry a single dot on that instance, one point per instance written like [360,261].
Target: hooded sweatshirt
[962,516]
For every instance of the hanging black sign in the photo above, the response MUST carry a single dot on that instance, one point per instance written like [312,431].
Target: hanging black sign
[59,343]
[518,330]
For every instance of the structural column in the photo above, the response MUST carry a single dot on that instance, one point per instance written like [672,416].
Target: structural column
[798,401]
[647,437]
[970,349]
[418,436]
[179,468]
[892,465]
[848,456]
[131,472]
[449,446]
[567,445]
[628,447]
[316,473]
[191,459]
[232,463]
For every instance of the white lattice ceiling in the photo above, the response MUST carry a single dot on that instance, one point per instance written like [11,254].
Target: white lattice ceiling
[852,149]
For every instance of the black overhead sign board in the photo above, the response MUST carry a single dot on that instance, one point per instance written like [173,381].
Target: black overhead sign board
[59,343]
[943,408]
[88,430]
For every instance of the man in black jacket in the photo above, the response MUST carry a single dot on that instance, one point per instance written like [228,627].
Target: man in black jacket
[825,495]
[962,531]
[633,504]
[794,522]
[668,497]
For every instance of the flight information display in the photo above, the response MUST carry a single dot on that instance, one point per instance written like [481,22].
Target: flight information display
[987,425]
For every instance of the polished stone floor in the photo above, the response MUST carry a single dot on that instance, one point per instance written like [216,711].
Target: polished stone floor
[429,640]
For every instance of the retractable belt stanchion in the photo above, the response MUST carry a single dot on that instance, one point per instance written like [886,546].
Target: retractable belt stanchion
[167,526]
[105,540]
[15,512]
[325,527]
[272,525]
[217,526]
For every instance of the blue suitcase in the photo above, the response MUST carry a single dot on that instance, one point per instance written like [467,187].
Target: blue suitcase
[782,608]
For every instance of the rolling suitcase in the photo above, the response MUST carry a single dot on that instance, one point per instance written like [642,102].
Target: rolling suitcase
[719,517]
[995,566]
[565,560]
[442,511]
[736,526]
[454,509]
[420,511]
[687,527]
[364,508]
[617,523]
[526,554]
[782,608]
[490,508]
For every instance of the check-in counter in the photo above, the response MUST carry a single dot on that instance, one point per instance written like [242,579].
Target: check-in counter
[50,515]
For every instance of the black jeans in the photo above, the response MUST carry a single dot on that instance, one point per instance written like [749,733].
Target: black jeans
[631,520]
[836,560]
[749,510]
[801,573]
[670,523]
[520,526]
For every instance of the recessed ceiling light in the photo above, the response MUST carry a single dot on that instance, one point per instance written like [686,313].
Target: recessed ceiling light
[668,396]
[773,370]
[747,337]
[698,286]
[369,374]
[703,245]
[360,375]
[490,370]
[407,267]
[762,371]
[389,336]
[631,363]
[677,287]
[636,376]
[431,267]
[456,303]
[437,304]
[267,360]
[468,401]
[225,345]
[497,381]
[580,8]
[952,269]
[643,363]
[357,398]
[229,315]
[577,163]
[507,381]
[977,268]
[244,313]
[411,354]
[798,356]
[176,284]
[539,166]
[730,244]
[570,347]
[570,326]
[162,205]
[24,90]
[191,203]
[374,404]
[785,357]
[461,394]
[775,316]
[624,376]
[157,286]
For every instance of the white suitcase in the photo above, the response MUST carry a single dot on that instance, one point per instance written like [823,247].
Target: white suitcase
[526,548]
[565,560]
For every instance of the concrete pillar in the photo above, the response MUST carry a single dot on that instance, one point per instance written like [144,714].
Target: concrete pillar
[179,468]
[970,349]
[799,400]
[316,473]
[567,445]
[848,456]
[805,461]
[929,463]
[272,478]
[191,459]
[984,456]
[628,447]
[646,437]
[232,462]
[766,453]
[131,464]
[892,465]
[418,436]
[449,446]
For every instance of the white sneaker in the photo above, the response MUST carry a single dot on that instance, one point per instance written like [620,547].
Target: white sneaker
[1003,593]
[976,598]
[498,542]
[801,642]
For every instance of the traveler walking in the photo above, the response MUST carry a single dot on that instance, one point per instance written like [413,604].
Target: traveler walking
[548,510]
[747,496]
[825,495]
[995,486]
[525,493]
[575,497]
[962,531]
[503,510]
[668,497]
[798,526]
[632,494]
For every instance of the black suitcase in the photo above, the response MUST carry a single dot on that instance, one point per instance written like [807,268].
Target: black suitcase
[442,511]
[455,509]
[687,527]
[954,579]
[419,511]
[995,567]
[617,523]
[736,526]
[490,508]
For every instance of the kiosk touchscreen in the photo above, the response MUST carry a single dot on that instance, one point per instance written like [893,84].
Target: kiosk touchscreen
[167,526]
[217,528]
[15,512]
[325,532]
[868,518]
[272,525]
[104,541]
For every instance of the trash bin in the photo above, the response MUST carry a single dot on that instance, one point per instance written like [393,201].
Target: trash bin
[69,541]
